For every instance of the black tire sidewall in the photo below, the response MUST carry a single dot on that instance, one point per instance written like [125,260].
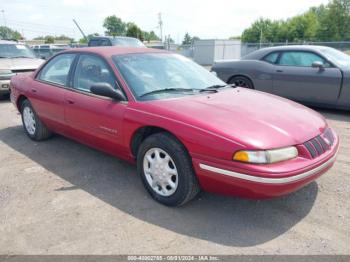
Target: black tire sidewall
[25,104]
[181,160]
[245,79]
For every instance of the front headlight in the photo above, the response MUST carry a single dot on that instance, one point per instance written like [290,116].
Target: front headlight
[6,74]
[266,156]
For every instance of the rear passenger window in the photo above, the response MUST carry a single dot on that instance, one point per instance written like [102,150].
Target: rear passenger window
[56,71]
[94,42]
[271,58]
[105,42]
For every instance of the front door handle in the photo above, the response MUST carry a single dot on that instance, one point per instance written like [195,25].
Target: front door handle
[34,90]
[71,102]
[279,71]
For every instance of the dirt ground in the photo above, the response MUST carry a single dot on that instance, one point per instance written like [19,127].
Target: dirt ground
[61,197]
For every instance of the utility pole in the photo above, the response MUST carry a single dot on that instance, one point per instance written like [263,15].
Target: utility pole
[3,15]
[6,31]
[81,31]
[160,22]
[261,33]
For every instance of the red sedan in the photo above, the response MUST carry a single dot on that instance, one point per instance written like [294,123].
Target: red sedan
[186,129]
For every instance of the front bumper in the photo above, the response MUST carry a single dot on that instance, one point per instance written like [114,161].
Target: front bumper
[5,86]
[224,179]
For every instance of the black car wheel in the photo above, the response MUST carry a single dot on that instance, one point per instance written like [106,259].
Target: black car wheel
[242,82]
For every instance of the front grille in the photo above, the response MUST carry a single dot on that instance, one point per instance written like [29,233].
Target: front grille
[320,144]
[328,134]
[17,71]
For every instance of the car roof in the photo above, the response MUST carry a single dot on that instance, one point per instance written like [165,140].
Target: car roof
[264,51]
[111,37]
[8,42]
[109,51]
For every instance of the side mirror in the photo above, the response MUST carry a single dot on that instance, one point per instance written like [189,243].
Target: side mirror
[318,64]
[105,89]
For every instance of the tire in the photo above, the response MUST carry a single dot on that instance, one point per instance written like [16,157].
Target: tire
[242,81]
[32,125]
[184,186]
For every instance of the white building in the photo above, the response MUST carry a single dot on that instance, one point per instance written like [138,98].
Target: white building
[205,52]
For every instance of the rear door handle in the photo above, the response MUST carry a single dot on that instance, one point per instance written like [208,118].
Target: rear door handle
[279,71]
[34,90]
[71,102]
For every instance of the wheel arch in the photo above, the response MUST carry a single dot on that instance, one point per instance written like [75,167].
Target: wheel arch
[19,101]
[143,132]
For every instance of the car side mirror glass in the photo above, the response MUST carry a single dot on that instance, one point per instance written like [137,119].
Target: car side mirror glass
[318,64]
[105,89]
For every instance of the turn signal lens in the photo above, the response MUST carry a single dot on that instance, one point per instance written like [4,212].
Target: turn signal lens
[266,156]
[241,156]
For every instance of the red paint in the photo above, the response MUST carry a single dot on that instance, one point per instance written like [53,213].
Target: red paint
[211,126]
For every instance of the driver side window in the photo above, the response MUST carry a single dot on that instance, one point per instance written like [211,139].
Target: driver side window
[300,58]
[90,70]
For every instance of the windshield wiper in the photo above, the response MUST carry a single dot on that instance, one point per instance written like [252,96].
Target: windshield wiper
[215,87]
[21,56]
[165,90]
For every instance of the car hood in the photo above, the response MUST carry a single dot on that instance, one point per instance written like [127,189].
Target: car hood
[20,63]
[251,118]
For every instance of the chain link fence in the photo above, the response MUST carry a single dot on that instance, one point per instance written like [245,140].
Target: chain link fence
[206,52]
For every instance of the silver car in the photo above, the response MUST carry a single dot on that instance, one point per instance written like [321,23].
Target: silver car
[15,58]
[313,75]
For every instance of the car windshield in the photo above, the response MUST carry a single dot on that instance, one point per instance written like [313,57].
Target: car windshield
[15,50]
[163,75]
[336,56]
[131,42]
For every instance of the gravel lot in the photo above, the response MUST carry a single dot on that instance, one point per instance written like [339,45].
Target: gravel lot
[61,197]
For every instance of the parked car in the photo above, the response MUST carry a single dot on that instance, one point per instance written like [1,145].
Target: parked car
[314,75]
[186,129]
[15,58]
[115,41]
[48,50]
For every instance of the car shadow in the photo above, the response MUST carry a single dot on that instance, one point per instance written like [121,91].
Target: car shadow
[224,220]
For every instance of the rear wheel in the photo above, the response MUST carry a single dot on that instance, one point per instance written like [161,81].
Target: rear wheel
[166,170]
[242,81]
[33,126]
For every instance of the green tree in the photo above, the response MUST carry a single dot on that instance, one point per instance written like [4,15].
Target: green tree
[8,33]
[334,21]
[49,39]
[187,39]
[114,26]
[134,31]
[260,29]
[329,22]
[150,36]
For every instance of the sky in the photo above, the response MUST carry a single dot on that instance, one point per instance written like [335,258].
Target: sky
[207,19]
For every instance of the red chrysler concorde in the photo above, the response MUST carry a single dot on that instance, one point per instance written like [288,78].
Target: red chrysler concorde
[185,128]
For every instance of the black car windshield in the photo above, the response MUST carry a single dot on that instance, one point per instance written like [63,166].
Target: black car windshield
[336,56]
[15,51]
[176,75]
[130,42]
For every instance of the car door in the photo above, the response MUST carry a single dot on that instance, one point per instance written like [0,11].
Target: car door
[95,120]
[295,78]
[48,89]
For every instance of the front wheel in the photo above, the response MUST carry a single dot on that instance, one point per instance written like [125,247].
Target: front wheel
[242,82]
[33,126]
[166,170]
